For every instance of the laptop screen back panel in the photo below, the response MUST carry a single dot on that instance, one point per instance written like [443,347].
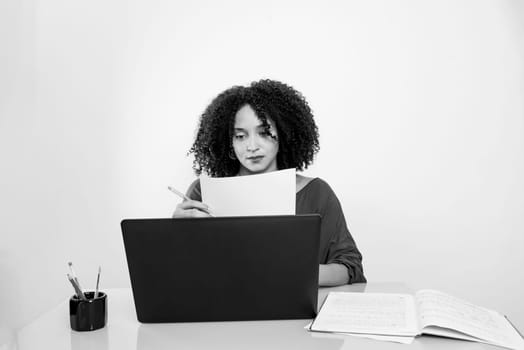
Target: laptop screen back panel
[223,269]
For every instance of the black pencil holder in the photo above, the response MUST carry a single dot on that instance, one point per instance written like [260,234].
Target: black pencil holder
[90,314]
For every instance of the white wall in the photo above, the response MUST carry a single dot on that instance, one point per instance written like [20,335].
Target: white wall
[420,107]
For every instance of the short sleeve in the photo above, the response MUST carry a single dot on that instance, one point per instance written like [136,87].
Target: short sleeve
[194,191]
[336,243]
[341,248]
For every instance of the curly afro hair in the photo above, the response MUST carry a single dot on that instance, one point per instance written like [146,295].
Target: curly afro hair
[296,128]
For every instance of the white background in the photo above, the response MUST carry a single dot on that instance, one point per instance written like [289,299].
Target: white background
[420,108]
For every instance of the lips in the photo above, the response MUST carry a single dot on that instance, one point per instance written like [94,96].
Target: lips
[255,158]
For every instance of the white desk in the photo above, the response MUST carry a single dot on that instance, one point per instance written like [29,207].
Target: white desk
[123,331]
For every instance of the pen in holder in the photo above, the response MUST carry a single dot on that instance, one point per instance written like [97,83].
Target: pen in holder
[88,314]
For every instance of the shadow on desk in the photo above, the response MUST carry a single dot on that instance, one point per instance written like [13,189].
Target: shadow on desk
[275,334]
[98,339]
[288,334]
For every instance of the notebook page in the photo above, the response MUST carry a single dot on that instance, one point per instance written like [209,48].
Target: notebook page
[370,313]
[443,310]
[272,193]
[391,338]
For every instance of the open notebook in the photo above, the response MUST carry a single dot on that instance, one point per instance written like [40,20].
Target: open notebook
[427,312]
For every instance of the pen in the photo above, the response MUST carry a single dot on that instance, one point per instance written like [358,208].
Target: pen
[97,281]
[78,291]
[178,193]
[186,198]
[75,279]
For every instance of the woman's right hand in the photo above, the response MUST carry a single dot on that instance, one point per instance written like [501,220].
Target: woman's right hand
[191,209]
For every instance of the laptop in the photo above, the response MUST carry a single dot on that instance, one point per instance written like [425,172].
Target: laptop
[223,268]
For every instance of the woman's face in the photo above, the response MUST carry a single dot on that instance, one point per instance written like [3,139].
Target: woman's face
[254,147]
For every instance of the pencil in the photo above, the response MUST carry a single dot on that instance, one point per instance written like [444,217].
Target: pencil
[178,193]
[186,198]
[73,275]
[78,291]
[97,281]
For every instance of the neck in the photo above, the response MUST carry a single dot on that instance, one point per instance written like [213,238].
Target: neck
[244,171]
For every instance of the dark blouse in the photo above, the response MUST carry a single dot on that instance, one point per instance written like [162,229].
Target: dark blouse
[336,244]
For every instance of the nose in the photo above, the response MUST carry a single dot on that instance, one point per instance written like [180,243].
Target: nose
[252,144]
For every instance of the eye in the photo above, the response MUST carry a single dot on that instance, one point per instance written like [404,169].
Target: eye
[239,136]
[266,133]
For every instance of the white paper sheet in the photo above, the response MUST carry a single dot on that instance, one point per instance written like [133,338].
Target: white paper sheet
[455,316]
[391,338]
[367,313]
[272,193]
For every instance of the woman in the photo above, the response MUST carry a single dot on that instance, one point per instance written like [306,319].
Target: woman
[265,127]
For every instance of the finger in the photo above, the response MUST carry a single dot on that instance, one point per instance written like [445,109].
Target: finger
[193,204]
[191,213]
[210,210]
[199,213]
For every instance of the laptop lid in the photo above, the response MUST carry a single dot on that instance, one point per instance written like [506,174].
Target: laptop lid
[223,268]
